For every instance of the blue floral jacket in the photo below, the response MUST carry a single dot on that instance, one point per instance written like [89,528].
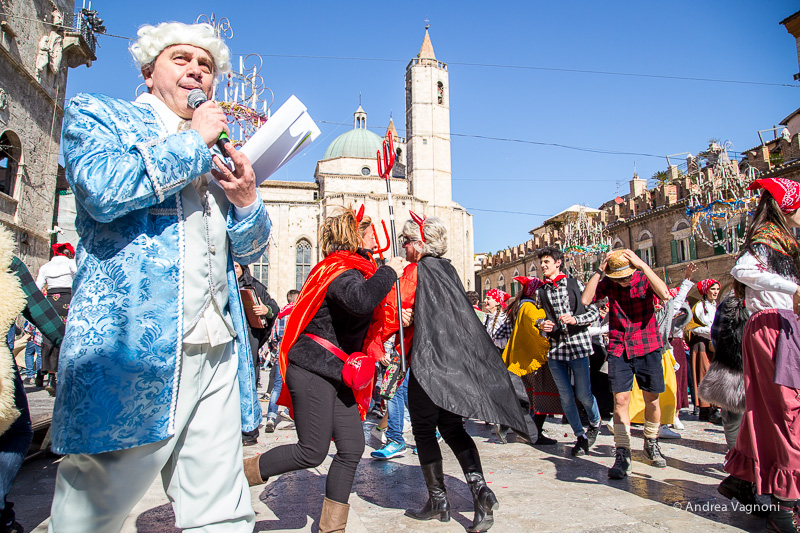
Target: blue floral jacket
[118,370]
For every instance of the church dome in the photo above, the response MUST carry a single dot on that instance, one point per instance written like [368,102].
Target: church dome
[358,142]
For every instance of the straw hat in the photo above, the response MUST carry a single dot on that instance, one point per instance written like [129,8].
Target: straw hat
[618,265]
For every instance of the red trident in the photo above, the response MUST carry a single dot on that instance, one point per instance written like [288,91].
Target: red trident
[378,241]
[385,170]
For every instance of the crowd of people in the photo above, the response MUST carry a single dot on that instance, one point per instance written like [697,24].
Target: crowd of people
[165,330]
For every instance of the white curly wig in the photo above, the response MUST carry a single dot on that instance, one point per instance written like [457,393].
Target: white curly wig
[154,39]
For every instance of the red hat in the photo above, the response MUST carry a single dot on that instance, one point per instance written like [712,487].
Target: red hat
[706,284]
[786,192]
[530,284]
[498,296]
[59,247]
[360,213]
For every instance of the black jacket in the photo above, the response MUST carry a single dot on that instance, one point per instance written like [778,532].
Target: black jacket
[248,281]
[343,319]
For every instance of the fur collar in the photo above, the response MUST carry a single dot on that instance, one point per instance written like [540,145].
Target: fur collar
[11,305]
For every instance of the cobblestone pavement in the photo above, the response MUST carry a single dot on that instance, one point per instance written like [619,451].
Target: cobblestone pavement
[539,488]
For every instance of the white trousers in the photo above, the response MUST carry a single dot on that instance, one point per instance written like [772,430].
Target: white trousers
[200,466]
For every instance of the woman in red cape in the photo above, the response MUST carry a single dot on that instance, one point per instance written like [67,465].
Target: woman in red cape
[336,304]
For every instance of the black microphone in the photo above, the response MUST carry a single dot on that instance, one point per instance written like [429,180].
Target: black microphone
[195,99]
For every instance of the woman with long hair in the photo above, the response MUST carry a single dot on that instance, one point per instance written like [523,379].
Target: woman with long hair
[526,355]
[767,449]
[495,322]
[334,311]
[700,342]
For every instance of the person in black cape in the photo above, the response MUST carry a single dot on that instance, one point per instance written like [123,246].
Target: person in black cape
[455,372]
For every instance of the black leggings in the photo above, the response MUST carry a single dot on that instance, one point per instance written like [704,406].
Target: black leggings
[426,416]
[323,409]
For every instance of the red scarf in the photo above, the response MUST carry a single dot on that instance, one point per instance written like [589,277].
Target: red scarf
[555,280]
[306,306]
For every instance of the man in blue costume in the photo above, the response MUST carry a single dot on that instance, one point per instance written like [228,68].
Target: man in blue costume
[155,370]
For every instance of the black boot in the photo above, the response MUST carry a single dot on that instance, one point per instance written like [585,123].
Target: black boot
[7,522]
[437,505]
[483,498]
[38,381]
[744,491]
[705,414]
[51,385]
[782,520]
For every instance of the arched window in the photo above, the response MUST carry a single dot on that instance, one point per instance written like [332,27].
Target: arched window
[10,154]
[260,269]
[303,263]
[440,92]
[515,285]
[501,283]
[487,286]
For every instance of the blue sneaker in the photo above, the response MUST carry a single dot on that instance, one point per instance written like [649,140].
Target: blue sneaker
[391,450]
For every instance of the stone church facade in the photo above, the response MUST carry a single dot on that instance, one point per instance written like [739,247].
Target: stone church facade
[348,175]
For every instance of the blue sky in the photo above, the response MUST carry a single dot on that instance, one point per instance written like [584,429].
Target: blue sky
[497,180]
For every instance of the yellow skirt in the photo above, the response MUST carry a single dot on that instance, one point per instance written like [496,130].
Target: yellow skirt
[667,399]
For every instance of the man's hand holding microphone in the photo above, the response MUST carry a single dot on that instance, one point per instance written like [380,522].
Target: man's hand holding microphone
[211,123]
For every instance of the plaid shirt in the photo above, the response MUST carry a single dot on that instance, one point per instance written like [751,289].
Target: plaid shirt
[36,335]
[633,327]
[566,346]
[38,310]
[277,330]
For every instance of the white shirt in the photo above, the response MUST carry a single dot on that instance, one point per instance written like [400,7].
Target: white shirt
[57,273]
[677,303]
[764,289]
[704,313]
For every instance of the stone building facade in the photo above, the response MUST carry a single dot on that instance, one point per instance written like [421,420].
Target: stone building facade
[38,44]
[348,175]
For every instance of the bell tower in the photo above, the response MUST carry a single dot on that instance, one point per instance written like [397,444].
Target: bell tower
[428,128]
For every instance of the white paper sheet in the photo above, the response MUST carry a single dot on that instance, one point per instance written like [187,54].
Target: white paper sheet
[288,132]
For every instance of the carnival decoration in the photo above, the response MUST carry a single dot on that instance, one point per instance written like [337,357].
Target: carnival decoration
[385,165]
[585,241]
[241,94]
[719,202]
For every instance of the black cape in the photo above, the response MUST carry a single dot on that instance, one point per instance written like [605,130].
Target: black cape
[452,356]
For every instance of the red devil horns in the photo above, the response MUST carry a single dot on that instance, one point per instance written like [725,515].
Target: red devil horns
[420,221]
[360,214]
